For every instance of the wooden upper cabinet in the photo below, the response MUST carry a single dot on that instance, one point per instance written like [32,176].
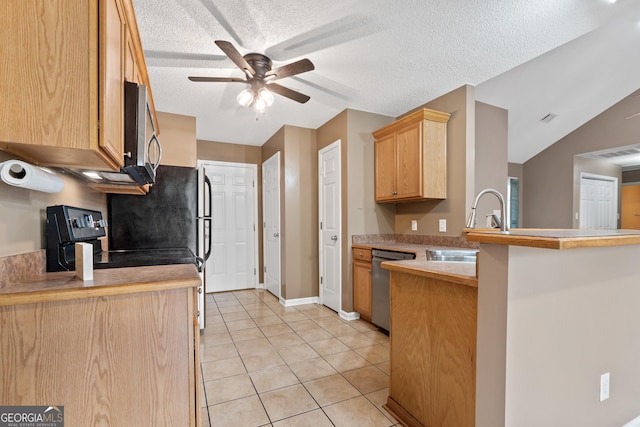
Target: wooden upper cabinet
[61,81]
[111,65]
[410,158]
[385,167]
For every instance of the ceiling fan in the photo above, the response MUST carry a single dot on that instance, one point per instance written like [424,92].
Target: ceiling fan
[260,77]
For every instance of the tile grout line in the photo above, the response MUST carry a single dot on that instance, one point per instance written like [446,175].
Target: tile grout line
[282,316]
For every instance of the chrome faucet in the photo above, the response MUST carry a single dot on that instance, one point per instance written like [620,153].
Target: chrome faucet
[471,221]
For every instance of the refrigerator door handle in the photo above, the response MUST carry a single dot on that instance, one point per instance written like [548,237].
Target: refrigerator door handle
[207,254]
[207,182]
[207,215]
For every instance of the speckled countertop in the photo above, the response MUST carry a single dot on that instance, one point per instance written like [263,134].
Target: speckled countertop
[455,272]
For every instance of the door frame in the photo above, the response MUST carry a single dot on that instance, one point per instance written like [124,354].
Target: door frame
[254,167]
[274,158]
[321,152]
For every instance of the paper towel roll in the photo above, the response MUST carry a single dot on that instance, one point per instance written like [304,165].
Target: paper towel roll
[21,174]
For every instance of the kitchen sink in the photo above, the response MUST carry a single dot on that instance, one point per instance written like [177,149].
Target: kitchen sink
[452,255]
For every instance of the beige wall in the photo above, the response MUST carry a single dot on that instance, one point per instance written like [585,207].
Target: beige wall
[301,204]
[549,178]
[541,345]
[178,139]
[554,360]
[23,212]
[360,213]
[631,176]
[298,209]
[460,103]
[491,161]
[234,153]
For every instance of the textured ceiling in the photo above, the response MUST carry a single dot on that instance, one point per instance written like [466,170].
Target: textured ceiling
[572,58]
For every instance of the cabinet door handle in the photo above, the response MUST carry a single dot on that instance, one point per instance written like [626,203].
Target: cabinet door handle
[369,271]
[394,193]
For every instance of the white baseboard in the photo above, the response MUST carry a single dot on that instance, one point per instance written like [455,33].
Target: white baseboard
[299,301]
[260,286]
[353,315]
[633,423]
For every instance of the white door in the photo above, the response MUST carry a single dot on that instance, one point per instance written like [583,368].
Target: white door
[271,225]
[233,260]
[598,201]
[330,216]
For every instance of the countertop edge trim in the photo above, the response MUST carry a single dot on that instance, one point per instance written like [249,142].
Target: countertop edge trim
[448,277]
[41,296]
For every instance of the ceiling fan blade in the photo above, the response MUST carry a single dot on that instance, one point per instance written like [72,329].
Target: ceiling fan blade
[235,56]
[217,79]
[288,93]
[292,69]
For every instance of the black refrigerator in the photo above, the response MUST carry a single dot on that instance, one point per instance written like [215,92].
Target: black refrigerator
[165,218]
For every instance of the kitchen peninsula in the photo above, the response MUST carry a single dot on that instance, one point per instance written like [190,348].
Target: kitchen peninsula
[119,350]
[555,309]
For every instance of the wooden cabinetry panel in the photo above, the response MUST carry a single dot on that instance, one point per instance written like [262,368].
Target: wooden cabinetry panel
[409,169]
[126,360]
[410,158]
[362,282]
[385,168]
[112,46]
[433,351]
[363,255]
[630,210]
[62,72]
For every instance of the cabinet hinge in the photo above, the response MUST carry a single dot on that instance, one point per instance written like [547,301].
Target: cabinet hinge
[321,280]
[98,124]
[320,225]
[265,269]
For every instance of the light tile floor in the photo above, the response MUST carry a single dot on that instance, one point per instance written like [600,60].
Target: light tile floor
[268,365]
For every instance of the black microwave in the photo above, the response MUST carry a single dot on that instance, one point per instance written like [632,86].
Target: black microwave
[142,148]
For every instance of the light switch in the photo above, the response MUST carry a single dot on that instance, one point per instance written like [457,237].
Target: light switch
[604,386]
[442,225]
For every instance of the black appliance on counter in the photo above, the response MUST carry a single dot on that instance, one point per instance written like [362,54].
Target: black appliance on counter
[67,225]
[167,217]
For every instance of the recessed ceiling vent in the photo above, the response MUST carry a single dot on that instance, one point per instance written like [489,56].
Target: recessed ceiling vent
[619,153]
[548,118]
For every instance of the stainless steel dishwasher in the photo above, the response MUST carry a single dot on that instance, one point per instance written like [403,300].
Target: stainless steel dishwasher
[380,285]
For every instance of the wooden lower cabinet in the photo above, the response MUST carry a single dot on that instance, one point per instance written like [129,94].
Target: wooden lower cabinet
[433,351]
[362,282]
[120,360]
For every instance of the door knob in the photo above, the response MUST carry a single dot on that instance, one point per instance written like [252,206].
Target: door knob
[276,234]
[334,238]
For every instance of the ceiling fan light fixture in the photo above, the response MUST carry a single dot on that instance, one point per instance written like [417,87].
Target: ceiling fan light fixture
[246,97]
[265,95]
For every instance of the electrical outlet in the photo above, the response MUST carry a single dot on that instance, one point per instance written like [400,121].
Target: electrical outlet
[604,386]
[442,225]
[414,225]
